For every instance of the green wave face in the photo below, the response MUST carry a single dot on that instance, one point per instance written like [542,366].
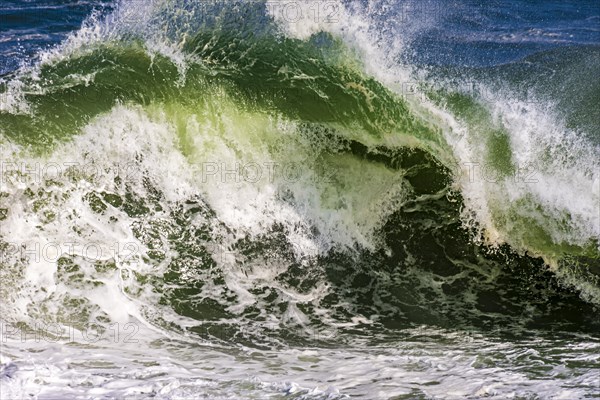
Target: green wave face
[279,164]
[310,81]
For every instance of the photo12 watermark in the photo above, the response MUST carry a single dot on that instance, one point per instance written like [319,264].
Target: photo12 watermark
[263,172]
[428,91]
[423,10]
[74,332]
[296,12]
[490,173]
[52,252]
[15,171]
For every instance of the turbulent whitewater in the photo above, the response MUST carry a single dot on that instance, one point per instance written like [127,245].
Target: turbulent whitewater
[309,200]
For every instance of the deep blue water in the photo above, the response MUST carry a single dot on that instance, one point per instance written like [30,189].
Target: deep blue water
[467,32]
[28,26]
[480,33]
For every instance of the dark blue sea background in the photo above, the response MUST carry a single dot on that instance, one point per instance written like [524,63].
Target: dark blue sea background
[467,33]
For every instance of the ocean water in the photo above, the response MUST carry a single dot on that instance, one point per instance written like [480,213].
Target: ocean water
[376,199]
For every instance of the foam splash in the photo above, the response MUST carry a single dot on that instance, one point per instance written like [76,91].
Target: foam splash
[558,166]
